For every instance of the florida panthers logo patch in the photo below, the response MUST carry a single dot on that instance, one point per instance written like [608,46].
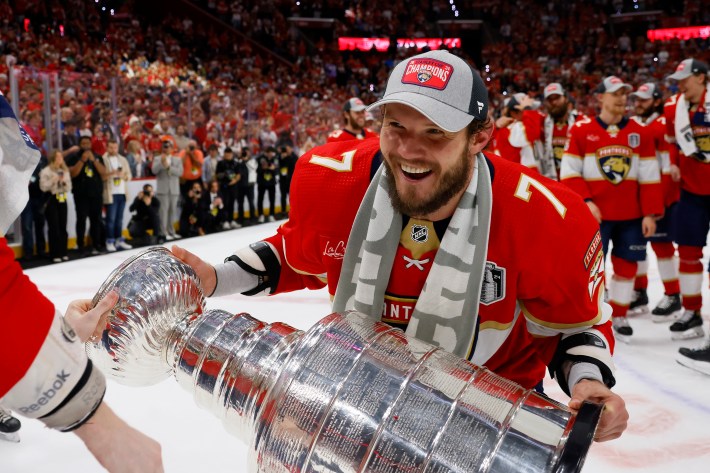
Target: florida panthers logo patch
[428,73]
[614,162]
[493,288]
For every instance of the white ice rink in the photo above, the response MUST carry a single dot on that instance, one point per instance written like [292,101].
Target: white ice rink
[669,430]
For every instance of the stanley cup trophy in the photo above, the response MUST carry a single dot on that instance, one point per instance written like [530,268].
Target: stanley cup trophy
[349,395]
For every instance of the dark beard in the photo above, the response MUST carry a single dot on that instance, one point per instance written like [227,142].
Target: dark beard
[451,183]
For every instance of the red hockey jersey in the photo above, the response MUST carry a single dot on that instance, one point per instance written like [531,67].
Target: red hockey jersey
[694,172]
[25,319]
[337,136]
[533,291]
[657,127]
[614,166]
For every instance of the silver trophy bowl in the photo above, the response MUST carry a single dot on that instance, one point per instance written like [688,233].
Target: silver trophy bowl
[349,395]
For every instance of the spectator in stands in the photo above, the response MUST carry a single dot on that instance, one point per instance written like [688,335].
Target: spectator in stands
[181,138]
[70,138]
[228,177]
[167,168]
[146,208]
[55,180]
[245,187]
[136,159]
[87,173]
[32,217]
[118,173]
[287,163]
[99,140]
[192,160]
[266,181]
[209,165]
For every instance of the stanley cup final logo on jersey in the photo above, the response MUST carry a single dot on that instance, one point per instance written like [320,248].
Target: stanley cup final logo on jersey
[427,73]
[614,162]
[493,289]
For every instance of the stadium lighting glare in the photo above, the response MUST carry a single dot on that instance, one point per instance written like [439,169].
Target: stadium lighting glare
[456,13]
[685,33]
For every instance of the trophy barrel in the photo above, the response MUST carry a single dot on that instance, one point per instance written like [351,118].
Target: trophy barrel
[357,395]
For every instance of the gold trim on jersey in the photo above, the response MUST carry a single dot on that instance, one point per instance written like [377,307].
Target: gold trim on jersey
[493,325]
[400,299]
[322,276]
[554,325]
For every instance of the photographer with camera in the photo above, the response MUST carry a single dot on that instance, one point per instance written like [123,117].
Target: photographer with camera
[266,178]
[228,176]
[287,163]
[87,174]
[55,180]
[146,216]
[118,173]
[245,186]
[192,160]
[194,215]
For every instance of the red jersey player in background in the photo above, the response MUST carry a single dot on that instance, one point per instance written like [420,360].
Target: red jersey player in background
[517,137]
[561,115]
[688,124]
[45,372]
[648,109]
[354,119]
[610,162]
[434,244]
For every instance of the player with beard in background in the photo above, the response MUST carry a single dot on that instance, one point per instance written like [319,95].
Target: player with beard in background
[561,115]
[648,109]
[354,119]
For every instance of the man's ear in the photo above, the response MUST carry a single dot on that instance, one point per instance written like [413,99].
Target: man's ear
[479,141]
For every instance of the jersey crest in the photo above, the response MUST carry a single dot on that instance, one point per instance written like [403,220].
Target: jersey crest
[614,162]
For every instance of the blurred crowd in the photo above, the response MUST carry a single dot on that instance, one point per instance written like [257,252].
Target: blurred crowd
[142,83]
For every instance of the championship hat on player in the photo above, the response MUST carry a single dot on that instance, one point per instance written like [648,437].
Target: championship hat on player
[611,84]
[354,104]
[554,88]
[514,101]
[441,86]
[689,67]
[647,91]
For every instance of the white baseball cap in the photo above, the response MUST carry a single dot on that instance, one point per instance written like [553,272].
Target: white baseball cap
[687,68]
[611,84]
[554,88]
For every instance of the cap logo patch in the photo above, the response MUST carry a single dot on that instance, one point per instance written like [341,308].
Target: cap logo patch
[643,88]
[615,80]
[550,87]
[427,73]
[680,67]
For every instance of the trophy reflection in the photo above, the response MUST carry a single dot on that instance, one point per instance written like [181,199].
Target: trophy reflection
[349,395]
